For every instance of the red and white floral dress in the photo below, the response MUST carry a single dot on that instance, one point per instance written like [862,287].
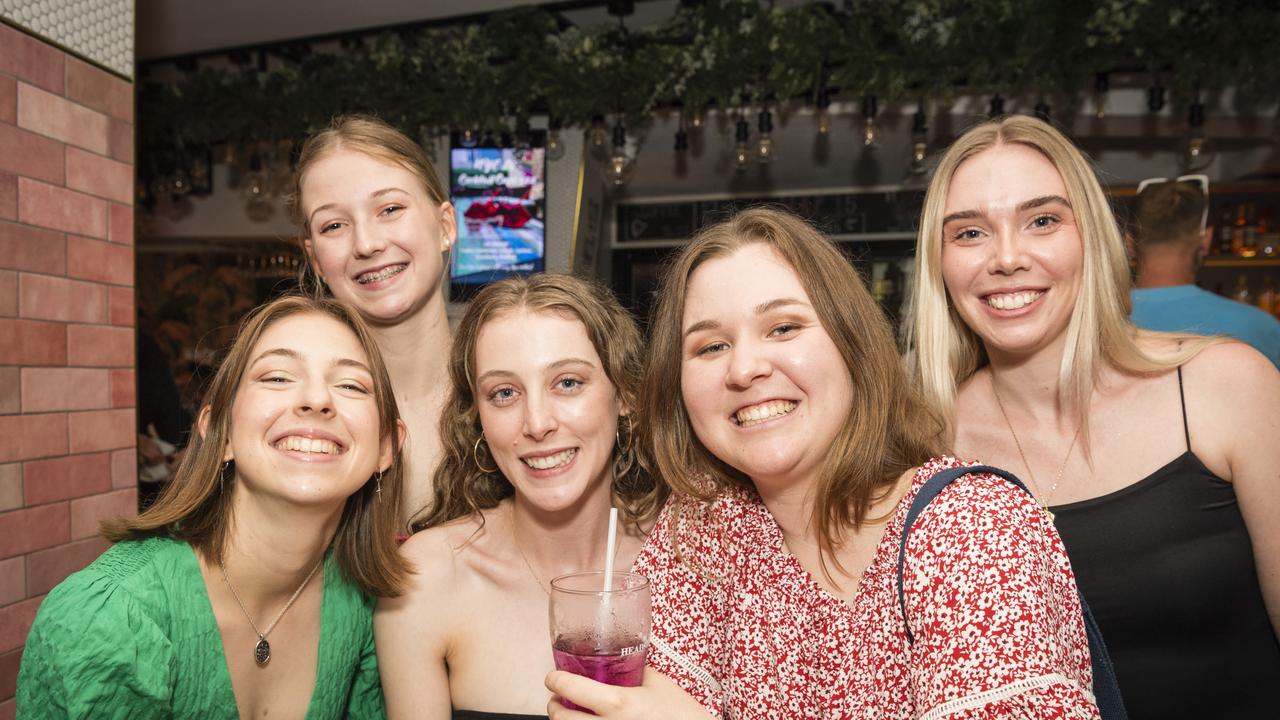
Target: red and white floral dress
[739,624]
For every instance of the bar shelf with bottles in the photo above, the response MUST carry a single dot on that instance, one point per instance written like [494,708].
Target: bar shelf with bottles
[1244,254]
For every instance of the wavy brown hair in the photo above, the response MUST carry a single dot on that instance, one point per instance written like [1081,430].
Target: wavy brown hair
[888,429]
[196,506]
[461,487]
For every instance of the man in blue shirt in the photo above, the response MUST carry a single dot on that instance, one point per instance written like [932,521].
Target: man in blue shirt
[1170,239]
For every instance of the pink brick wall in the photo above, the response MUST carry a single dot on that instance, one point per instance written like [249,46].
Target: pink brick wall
[67,390]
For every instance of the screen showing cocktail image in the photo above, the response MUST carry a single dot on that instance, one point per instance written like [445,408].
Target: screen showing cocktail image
[599,630]
[499,195]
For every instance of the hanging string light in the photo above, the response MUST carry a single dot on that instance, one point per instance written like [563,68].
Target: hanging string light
[869,110]
[1042,110]
[919,142]
[597,136]
[555,144]
[996,108]
[1196,153]
[619,168]
[1155,96]
[741,153]
[824,111]
[764,143]
[1101,86]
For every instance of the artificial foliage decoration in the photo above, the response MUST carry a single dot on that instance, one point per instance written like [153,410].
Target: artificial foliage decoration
[489,75]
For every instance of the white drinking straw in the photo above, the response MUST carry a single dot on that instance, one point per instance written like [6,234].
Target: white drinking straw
[609,548]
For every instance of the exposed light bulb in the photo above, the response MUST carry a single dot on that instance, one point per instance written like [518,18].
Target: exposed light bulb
[1101,84]
[919,142]
[256,185]
[741,153]
[598,138]
[869,110]
[824,111]
[555,146]
[1196,152]
[179,183]
[619,166]
[468,139]
[764,143]
[695,120]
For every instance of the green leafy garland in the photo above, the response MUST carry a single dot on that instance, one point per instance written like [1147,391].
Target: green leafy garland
[525,61]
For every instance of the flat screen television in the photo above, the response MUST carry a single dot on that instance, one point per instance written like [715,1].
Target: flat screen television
[499,197]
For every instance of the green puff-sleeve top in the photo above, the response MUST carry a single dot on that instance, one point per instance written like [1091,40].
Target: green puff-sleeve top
[134,636]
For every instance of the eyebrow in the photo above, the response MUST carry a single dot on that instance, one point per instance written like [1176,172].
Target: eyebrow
[372,196]
[760,309]
[295,355]
[1022,207]
[553,366]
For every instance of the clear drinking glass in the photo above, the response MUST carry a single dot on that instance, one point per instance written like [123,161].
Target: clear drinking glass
[601,632]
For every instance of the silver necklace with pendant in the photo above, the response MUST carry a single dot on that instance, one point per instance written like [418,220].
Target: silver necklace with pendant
[262,649]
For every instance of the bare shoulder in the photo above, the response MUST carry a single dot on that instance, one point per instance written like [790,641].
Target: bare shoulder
[434,554]
[1230,373]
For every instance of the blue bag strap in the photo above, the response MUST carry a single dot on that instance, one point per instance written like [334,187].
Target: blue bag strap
[932,487]
[1106,689]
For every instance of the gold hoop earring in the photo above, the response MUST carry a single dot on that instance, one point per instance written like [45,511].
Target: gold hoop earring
[617,437]
[475,455]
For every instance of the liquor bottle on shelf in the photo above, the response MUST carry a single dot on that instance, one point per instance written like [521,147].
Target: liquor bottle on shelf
[1241,293]
[1268,238]
[1225,229]
[1249,241]
[1237,232]
[1267,298]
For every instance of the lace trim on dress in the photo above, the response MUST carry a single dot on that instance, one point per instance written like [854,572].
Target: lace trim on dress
[685,664]
[1003,692]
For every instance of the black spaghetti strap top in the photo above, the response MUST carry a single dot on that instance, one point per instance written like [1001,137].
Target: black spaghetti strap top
[478,715]
[1168,569]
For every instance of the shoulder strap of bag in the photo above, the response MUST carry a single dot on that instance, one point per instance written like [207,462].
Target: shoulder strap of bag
[1106,689]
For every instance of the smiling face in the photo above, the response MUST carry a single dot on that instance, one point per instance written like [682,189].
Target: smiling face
[548,410]
[374,234]
[766,389]
[1012,256]
[304,422]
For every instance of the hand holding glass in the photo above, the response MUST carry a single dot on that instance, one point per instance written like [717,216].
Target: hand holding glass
[601,631]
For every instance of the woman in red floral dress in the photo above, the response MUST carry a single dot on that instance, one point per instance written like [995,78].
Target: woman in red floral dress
[795,447]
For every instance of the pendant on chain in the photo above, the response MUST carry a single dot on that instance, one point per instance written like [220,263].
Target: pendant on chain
[262,652]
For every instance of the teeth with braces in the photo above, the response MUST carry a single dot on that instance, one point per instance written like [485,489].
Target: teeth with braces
[307,445]
[383,274]
[1013,301]
[551,461]
[764,411]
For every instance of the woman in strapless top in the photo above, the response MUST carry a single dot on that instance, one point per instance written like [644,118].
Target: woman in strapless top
[1156,454]
[540,440]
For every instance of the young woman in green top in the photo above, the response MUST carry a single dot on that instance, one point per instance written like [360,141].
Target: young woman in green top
[244,591]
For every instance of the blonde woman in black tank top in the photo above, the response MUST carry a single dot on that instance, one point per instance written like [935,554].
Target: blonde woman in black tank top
[1157,455]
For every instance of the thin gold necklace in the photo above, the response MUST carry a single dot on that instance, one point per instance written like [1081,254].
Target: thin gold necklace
[1057,478]
[262,649]
[543,586]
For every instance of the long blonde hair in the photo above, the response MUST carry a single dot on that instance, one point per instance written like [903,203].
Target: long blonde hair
[945,351]
[196,505]
[461,486]
[888,429]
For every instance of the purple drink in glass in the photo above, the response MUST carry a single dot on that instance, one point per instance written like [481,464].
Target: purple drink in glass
[600,632]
